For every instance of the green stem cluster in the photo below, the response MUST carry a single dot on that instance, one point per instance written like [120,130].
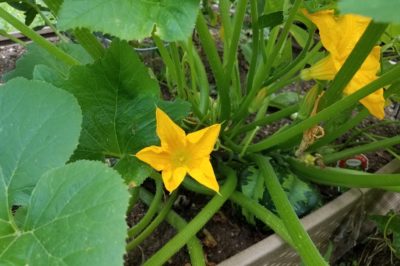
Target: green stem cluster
[255,208]
[133,231]
[344,177]
[194,246]
[376,145]
[327,113]
[264,69]
[179,240]
[302,241]
[154,224]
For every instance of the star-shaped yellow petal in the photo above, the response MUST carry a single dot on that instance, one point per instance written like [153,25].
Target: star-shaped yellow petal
[181,154]
[339,35]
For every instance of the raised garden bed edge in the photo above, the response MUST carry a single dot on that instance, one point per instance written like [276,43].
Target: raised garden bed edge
[323,223]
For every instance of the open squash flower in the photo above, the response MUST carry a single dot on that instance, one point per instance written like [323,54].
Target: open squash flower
[180,154]
[339,35]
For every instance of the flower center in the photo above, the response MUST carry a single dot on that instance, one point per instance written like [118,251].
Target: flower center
[179,158]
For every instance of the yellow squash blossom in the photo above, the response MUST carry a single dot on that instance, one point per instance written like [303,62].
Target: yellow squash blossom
[339,35]
[180,154]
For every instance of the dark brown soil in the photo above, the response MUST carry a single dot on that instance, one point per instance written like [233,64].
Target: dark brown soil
[8,56]
[223,236]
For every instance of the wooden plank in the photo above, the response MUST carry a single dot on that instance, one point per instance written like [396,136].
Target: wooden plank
[45,32]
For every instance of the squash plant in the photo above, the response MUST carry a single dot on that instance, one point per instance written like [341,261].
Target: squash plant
[51,212]
[82,125]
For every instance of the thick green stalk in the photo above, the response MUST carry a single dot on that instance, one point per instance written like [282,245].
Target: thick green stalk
[343,177]
[274,87]
[299,62]
[224,6]
[134,198]
[232,52]
[339,131]
[288,78]
[12,38]
[269,46]
[265,120]
[256,42]
[376,145]
[264,69]
[154,224]
[194,246]
[236,88]
[389,150]
[198,79]
[263,214]
[255,208]
[351,139]
[166,57]
[393,89]
[329,112]
[209,48]
[279,84]
[306,248]
[47,21]
[362,49]
[247,140]
[150,212]
[180,75]
[179,240]
[89,42]
[199,74]
[216,66]
[35,37]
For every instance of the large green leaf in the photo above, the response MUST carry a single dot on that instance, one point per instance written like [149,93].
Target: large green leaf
[112,94]
[380,10]
[118,99]
[127,19]
[49,75]
[54,5]
[133,170]
[36,55]
[76,216]
[5,226]
[39,129]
